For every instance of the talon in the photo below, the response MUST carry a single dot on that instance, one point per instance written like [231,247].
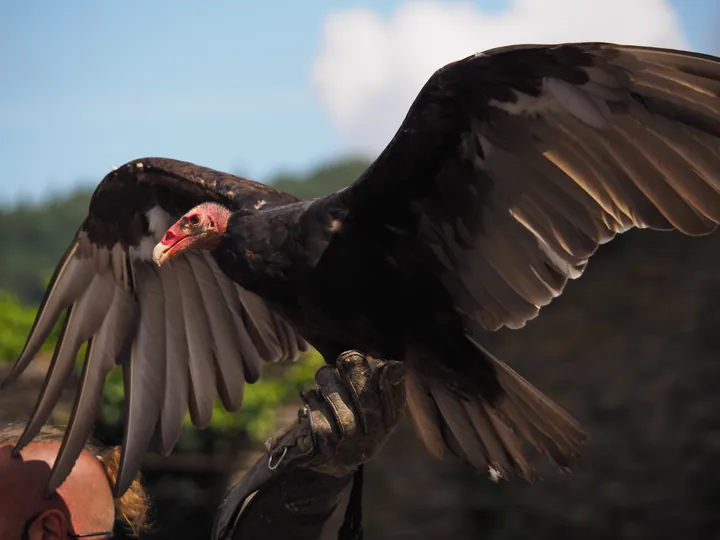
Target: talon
[304,411]
[351,356]
[394,372]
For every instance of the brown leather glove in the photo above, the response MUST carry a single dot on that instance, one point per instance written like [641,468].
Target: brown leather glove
[353,411]
[309,467]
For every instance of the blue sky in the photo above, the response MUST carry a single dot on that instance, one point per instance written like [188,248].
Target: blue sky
[84,85]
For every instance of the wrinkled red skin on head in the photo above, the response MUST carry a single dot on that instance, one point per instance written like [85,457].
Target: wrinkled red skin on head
[172,235]
[205,218]
[202,227]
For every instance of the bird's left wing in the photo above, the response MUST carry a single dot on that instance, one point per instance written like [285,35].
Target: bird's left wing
[514,165]
[183,333]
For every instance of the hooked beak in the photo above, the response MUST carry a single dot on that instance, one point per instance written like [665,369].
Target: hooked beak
[161,253]
[171,246]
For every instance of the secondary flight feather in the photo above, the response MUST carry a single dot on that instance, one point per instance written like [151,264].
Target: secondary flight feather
[510,169]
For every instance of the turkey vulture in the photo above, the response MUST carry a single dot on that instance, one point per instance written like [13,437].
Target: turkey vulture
[510,169]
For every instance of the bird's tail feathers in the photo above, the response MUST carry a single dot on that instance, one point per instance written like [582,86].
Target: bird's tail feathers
[492,436]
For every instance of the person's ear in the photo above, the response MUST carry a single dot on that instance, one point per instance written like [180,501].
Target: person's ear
[50,525]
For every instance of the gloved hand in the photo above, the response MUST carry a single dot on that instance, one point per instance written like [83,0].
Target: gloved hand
[309,466]
[353,411]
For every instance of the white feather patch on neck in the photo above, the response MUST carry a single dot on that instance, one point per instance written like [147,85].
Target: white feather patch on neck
[159,221]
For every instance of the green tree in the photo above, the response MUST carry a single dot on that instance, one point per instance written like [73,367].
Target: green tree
[15,323]
[323,180]
[32,240]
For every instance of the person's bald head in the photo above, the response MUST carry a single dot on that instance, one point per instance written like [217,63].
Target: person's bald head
[82,504]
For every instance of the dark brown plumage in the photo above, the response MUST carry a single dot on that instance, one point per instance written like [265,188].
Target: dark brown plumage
[510,169]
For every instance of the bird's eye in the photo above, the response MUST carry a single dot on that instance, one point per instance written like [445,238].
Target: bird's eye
[194,219]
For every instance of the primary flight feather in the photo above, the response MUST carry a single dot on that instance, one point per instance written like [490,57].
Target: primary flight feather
[510,169]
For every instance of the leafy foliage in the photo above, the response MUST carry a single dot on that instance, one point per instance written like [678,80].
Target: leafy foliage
[15,323]
[32,240]
[331,177]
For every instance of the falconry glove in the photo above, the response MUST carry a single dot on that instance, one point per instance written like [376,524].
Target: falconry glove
[309,468]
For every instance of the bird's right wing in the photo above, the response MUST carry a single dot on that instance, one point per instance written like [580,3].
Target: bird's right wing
[183,333]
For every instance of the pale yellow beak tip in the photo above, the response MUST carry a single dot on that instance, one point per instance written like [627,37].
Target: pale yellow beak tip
[158,254]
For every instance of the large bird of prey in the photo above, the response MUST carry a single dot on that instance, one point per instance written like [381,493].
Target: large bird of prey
[510,169]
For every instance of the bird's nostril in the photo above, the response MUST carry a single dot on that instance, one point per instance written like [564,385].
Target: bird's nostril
[168,238]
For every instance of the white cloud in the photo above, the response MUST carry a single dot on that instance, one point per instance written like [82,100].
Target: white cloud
[369,70]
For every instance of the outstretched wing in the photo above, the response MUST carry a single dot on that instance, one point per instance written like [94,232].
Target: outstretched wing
[514,165]
[183,333]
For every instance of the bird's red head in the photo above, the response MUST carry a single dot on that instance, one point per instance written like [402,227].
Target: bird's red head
[203,227]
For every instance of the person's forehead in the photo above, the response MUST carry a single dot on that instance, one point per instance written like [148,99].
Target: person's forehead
[37,459]
[21,479]
[84,495]
[8,461]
